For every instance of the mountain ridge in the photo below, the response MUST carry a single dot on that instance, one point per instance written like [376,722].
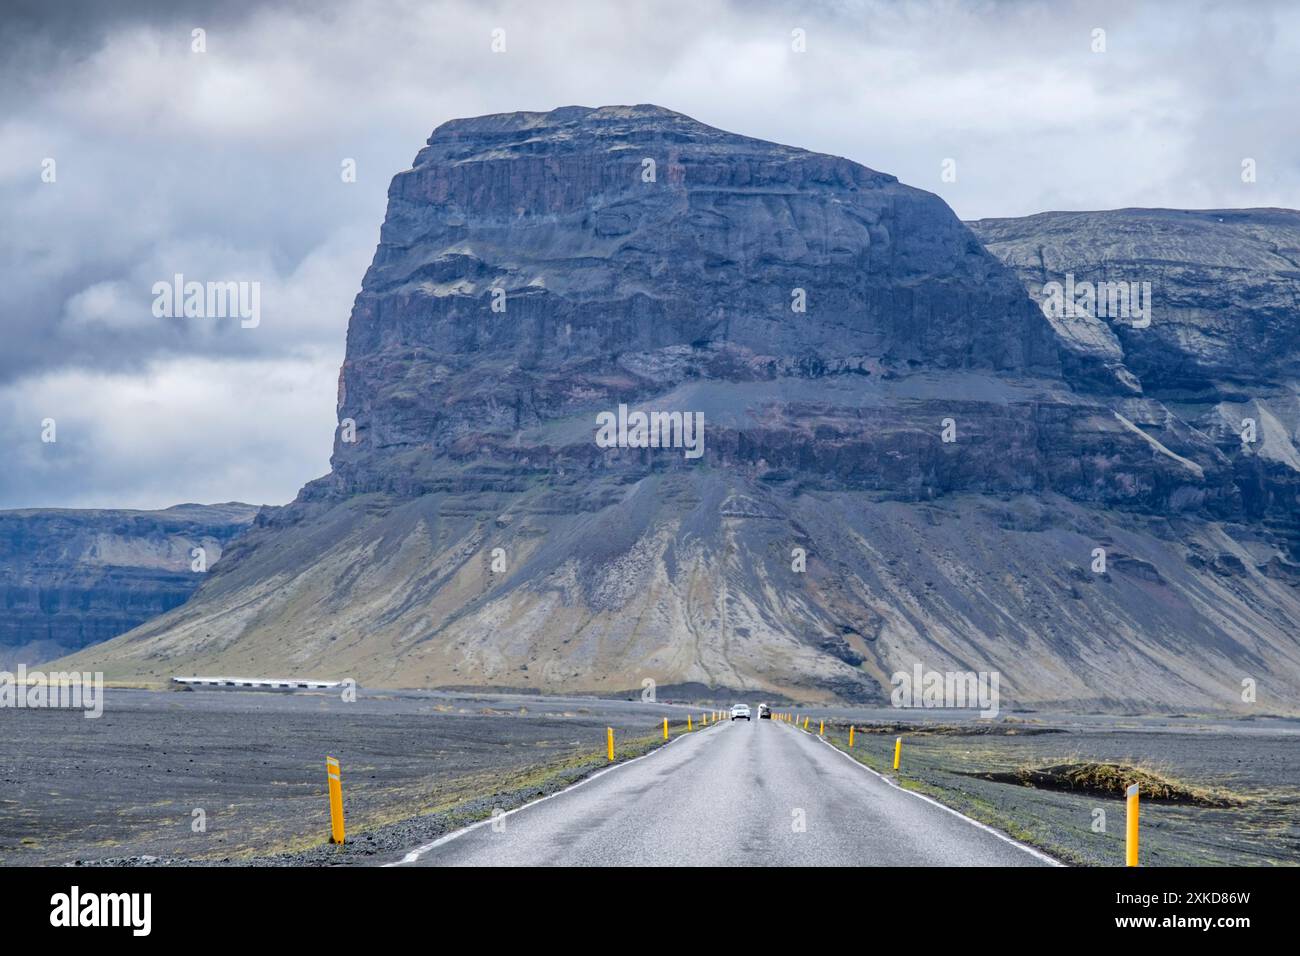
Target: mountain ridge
[70,577]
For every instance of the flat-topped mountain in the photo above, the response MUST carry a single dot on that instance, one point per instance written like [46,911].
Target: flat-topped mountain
[533,265]
[903,457]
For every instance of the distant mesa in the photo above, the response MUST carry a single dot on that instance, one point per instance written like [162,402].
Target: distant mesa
[74,577]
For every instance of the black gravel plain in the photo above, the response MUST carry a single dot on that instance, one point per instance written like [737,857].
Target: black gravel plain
[1256,759]
[124,788]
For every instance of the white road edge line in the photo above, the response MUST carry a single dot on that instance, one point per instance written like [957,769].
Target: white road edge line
[1032,851]
[419,851]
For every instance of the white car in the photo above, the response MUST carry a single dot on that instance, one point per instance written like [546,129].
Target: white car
[739,711]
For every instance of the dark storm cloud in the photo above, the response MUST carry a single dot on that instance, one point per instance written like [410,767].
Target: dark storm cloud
[72,25]
[40,37]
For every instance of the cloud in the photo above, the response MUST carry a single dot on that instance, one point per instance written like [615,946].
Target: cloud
[183,430]
[225,164]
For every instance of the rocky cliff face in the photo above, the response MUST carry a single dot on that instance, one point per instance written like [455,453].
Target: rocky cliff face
[72,578]
[611,288]
[1224,283]
[1220,357]
[904,458]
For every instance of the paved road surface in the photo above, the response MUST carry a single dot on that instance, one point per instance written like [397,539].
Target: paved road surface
[728,796]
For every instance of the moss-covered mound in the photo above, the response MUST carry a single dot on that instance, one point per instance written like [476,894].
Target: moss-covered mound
[1113,780]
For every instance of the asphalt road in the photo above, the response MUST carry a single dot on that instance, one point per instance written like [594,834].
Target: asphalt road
[737,794]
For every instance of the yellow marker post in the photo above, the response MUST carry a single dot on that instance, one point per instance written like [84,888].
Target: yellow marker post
[609,740]
[665,728]
[850,736]
[821,728]
[805,723]
[1131,841]
[334,778]
[688,722]
[898,749]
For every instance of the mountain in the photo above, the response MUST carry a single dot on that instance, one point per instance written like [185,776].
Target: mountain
[1225,316]
[905,460]
[69,578]
[1223,343]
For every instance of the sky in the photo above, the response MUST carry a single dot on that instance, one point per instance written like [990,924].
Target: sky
[226,162]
